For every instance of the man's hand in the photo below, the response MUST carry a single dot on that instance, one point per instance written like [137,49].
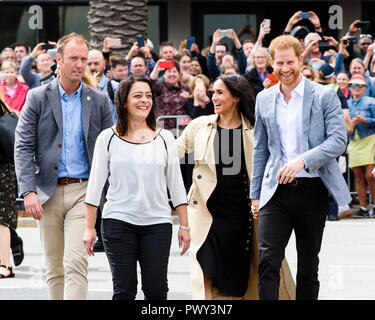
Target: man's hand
[314,20]
[33,206]
[255,208]
[295,18]
[37,50]
[353,29]
[287,173]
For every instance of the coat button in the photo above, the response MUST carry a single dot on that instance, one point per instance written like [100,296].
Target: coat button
[199,176]
[59,145]
[55,167]
[195,202]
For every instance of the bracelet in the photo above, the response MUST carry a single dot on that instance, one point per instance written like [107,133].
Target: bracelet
[317,27]
[184,228]
[286,32]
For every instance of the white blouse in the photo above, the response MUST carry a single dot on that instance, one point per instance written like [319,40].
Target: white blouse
[138,175]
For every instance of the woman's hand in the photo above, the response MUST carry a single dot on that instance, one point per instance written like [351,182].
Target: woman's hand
[255,208]
[89,239]
[183,240]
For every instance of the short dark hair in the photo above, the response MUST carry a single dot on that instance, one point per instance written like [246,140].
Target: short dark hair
[14,45]
[239,87]
[118,60]
[222,44]
[166,44]
[142,56]
[121,97]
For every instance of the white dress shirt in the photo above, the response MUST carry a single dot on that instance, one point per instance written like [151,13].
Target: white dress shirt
[289,123]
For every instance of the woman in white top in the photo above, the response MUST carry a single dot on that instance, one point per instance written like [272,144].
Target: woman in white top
[140,162]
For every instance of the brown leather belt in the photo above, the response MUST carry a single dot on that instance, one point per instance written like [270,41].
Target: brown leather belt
[64,181]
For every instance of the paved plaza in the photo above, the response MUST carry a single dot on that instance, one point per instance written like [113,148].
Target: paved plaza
[347,266]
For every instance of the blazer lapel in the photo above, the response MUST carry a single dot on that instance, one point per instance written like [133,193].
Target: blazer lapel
[271,110]
[86,110]
[53,96]
[308,98]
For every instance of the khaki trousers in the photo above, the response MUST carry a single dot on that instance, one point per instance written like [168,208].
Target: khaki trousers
[61,232]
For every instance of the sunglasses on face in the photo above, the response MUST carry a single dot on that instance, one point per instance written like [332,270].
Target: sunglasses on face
[355,85]
[365,36]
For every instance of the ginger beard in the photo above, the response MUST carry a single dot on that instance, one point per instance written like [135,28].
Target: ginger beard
[287,66]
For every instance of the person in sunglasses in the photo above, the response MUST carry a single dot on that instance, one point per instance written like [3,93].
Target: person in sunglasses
[361,142]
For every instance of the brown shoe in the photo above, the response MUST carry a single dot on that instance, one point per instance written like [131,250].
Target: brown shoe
[345,214]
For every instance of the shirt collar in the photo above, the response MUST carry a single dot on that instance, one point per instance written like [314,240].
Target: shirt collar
[299,89]
[62,92]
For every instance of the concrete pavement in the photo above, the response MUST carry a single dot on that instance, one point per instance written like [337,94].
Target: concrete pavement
[347,266]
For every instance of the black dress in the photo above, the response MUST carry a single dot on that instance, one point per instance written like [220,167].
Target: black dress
[225,254]
[8,183]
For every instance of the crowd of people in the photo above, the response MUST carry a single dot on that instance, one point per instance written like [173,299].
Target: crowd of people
[88,129]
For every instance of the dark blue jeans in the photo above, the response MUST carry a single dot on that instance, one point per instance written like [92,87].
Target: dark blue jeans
[125,244]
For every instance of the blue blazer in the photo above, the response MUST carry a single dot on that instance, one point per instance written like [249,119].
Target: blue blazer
[324,137]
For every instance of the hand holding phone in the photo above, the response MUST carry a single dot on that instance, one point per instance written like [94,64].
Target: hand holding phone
[267,23]
[226,32]
[305,15]
[323,44]
[141,41]
[166,64]
[189,42]
[47,46]
[114,42]
[363,24]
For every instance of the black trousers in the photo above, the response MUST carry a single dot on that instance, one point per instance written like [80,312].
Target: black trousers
[301,208]
[125,244]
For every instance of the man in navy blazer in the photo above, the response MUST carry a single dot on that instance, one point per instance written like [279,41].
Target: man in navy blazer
[299,132]
[55,139]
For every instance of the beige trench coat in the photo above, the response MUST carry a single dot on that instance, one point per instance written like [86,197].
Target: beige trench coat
[198,136]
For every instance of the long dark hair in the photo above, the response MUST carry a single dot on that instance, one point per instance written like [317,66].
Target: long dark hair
[239,87]
[121,97]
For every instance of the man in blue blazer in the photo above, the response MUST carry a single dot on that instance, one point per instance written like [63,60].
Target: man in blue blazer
[299,132]
[55,139]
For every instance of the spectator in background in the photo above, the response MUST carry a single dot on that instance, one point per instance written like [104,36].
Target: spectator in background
[312,47]
[8,54]
[199,102]
[308,72]
[195,67]
[8,208]
[171,95]
[357,67]
[261,67]
[138,66]
[21,51]
[216,53]
[14,92]
[315,64]
[119,71]
[145,53]
[184,62]
[43,63]
[96,65]
[362,141]
[365,40]
[247,46]
[263,31]
[167,50]
[229,68]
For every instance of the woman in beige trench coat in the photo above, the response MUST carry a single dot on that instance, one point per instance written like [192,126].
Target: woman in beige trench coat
[198,137]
